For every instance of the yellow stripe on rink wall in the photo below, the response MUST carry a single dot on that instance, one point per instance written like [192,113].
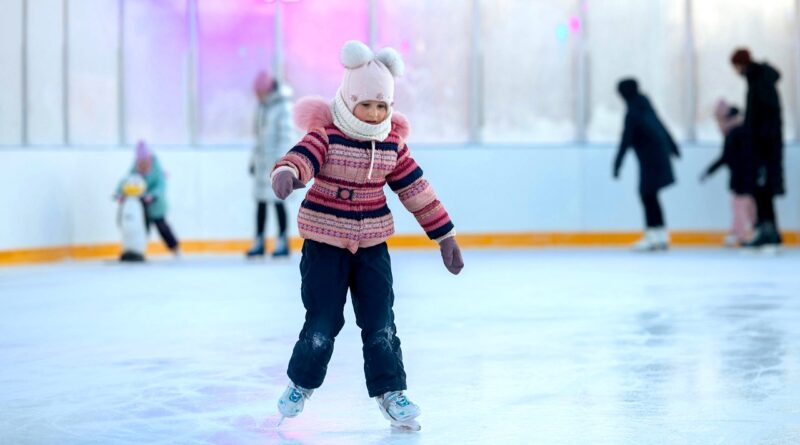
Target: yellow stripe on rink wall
[469,240]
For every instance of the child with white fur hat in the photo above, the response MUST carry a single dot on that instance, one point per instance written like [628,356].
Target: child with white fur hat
[355,145]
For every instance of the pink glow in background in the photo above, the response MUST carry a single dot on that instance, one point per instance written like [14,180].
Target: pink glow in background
[236,41]
[156,50]
[575,24]
[315,31]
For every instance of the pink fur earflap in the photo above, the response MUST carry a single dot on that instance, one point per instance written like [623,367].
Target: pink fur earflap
[401,125]
[312,112]
[315,112]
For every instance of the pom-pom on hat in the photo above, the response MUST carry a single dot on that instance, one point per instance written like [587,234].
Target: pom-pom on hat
[368,75]
[142,152]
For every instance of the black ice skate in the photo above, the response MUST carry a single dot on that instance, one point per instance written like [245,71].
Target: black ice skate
[281,248]
[767,239]
[257,250]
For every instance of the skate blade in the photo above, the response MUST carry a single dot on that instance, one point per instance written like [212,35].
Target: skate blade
[661,247]
[748,251]
[406,426]
[770,250]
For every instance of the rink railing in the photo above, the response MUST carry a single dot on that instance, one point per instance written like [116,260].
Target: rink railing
[518,240]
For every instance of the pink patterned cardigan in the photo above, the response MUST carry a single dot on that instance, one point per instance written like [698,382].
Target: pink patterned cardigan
[346,206]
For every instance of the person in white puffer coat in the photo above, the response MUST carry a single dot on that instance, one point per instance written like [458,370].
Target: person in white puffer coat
[275,134]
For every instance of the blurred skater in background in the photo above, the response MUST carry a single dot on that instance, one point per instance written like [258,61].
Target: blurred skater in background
[275,135]
[653,146]
[764,130]
[737,155]
[147,165]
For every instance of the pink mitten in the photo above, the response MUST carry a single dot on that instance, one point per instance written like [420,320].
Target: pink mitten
[451,255]
[284,183]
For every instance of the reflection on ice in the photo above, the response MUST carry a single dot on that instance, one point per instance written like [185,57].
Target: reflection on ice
[596,346]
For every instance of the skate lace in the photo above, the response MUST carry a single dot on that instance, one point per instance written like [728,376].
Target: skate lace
[398,399]
[296,395]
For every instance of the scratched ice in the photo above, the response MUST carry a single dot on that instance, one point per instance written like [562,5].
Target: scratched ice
[544,346]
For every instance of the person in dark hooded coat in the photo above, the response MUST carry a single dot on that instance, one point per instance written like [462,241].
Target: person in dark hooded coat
[653,146]
[764,128]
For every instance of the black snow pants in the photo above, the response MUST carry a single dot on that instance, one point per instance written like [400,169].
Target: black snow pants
[327,273]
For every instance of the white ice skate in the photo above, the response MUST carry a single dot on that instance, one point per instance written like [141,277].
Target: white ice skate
[292,401]
[730,241]
[653,240]
[398,410]
[663,238]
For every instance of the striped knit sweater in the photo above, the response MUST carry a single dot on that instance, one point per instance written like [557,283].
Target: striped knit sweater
[346,206]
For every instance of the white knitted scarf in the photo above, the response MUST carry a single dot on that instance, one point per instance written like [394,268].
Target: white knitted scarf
[355,128]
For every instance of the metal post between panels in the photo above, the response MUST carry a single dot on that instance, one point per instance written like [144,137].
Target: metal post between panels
[65,96]
[797,70]
[373,24]
[475,107]
[121,118]
[582,79]
[192,83]
[690,56]
[278,60]
[24,139]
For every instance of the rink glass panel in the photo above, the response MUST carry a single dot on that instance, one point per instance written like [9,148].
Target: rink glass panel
[768,29]
[93,72]
[434,40]
[156,71]
[314,32]
[45,103]
[528,70]
[641,39]
[11,73]
[236,41]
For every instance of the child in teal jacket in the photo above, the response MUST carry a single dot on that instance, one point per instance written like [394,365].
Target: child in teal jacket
[155,201]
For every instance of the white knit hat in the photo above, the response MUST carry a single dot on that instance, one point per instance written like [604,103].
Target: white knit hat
[368,76]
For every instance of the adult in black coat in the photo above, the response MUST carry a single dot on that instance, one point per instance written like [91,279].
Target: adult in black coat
[764,127]
[653,146]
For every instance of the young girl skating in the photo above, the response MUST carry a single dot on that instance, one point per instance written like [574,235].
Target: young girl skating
[354,147]
[737,155]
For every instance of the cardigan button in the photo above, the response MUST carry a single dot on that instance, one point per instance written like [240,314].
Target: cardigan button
[346,194]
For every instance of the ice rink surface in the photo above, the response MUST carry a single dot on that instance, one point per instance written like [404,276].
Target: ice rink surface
[525,347]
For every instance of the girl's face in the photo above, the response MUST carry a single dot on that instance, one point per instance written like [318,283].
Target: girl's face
[143,166]
[371,111]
